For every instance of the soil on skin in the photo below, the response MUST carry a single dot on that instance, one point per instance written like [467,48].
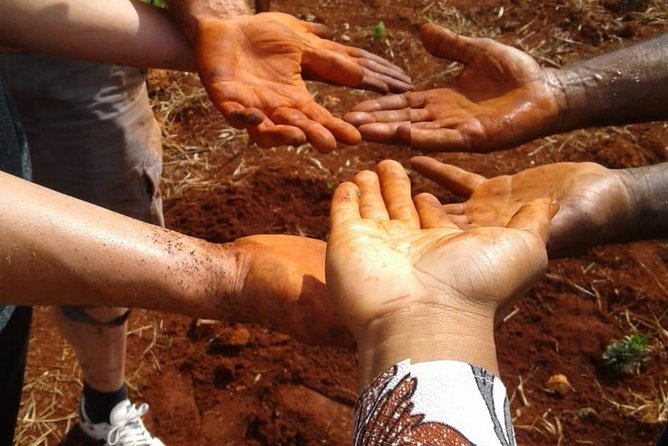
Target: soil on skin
[229,384]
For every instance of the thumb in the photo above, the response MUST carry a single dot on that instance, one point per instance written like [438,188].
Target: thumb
[535,217]
[445,44]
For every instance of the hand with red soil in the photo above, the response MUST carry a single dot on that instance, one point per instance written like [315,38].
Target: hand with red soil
[409,283]
[596,205]
[253,67]
[282,286]
[501,98]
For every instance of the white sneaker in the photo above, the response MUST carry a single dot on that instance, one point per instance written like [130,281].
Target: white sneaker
[126,428]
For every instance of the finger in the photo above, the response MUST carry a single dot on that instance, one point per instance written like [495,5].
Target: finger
[373,74]
[318,29]
[462,221]
[316,134]
[241,117]
[454,208]
[387,67]
[445,44]
[391,102]
[332,67]
[388,70]
[452,178]
[343,132]
[387,133]
[269,135]
[396,189]
[432,214]
[442,140]
[345,204]
[535,217]
[382,84]
[361,118]
[371,202]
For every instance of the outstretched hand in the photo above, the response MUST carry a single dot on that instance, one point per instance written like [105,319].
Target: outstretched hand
[500,99]
[252,67]
[594,203]
[397,267]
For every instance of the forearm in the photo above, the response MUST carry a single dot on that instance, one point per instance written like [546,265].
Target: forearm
[649,188]
[626,86]
[188,13]
[124,32]
[55,249]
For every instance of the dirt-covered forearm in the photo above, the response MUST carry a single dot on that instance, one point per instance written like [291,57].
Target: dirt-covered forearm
[623,87]
[57,250]
[649,188]
[188,13]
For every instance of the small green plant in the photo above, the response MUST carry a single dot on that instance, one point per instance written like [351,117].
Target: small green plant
[379,30]
[626,356]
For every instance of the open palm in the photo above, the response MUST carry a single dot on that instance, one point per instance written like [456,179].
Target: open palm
[501,98]
[252,68]
[594,203]
[391,259]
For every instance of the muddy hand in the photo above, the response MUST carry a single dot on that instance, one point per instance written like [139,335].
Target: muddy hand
[500,99]
[252,69]
[395,262]
[594,202]
[284,288]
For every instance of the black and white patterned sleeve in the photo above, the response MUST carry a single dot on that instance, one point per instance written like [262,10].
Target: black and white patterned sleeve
[438,403]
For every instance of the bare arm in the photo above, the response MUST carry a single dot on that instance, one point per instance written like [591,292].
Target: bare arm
[56,249]
[623,87]
[649,188]
[124,32]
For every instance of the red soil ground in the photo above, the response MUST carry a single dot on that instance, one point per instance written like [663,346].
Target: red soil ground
[222,384]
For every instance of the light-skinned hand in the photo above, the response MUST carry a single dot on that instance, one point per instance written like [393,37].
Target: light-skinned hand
[282,286]
[409,283]
[253,67]
[595,204]
[501,98]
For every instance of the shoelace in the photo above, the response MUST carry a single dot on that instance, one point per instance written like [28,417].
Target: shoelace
[131,429]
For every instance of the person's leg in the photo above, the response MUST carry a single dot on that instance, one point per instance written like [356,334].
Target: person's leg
[92,136]
[14,347]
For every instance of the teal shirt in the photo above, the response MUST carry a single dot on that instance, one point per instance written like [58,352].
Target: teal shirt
[14,158]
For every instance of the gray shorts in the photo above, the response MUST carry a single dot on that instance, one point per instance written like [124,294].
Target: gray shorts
[90,130]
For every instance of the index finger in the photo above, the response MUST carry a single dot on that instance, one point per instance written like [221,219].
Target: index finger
[452,178]
[535,217]
[345,204]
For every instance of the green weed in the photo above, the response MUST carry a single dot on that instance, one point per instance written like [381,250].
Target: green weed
[626,356]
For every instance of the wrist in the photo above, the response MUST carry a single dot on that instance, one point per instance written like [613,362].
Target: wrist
[190,14]
[578,98]
[207,278]
[454,335]
[648,189]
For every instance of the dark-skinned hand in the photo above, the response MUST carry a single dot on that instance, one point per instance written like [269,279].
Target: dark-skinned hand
[398,267]
[501,98]
[595,205]
[253,66]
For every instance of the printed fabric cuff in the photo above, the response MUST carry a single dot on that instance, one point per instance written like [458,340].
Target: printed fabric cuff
[436,403]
